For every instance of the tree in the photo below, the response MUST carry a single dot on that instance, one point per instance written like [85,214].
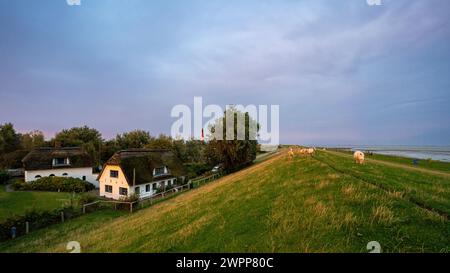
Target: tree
[32,140]
[179,149]
[88,138]
[77,136]
[109,148]
[9,139]
[233,154]
[134,139]
[160,142]
[195,150]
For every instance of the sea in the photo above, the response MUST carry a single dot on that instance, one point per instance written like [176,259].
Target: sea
[439,153]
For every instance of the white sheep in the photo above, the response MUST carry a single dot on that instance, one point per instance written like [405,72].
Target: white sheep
[359,157]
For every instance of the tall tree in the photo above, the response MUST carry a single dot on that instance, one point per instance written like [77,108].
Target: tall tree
[133,139]
[88,138]
[238,151]
[160,142]
[77,136]
[9,138]
[31,140]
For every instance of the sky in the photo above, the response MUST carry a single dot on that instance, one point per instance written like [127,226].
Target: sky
[343,72]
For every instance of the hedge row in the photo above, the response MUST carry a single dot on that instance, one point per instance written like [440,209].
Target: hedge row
[4,177]
[55,184]
[36,220]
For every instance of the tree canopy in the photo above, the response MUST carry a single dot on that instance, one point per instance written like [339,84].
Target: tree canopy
[238,151]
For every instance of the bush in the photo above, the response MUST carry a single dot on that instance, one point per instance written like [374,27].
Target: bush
[19,185]
[55,184]
[4,177]
[86,199]
[195,170]
[130,198]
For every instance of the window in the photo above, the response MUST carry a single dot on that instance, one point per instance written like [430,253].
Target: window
[65,174]
[160,171]
[108,188]
[37,176]
[84,178]
[114,174]
[155,186]
[60,161]
[147,188]
[123,191]
[52,175]
[137,190]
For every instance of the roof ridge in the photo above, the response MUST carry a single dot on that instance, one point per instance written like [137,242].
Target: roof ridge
[136,150]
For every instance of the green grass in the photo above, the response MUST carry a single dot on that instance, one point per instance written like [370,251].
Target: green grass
[431,191]
[17,203]
[423,163]
[323,204]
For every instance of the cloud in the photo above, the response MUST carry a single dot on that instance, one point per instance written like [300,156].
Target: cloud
[338,69]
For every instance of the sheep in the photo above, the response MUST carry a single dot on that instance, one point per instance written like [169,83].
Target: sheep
[291,153]
[359,157]
[310,151]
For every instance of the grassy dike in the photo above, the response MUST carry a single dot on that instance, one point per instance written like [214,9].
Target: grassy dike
[320,204]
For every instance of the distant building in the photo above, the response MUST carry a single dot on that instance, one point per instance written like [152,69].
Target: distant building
[59,162]
[139,171]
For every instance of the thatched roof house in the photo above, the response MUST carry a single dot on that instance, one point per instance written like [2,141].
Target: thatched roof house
[138,165]
[62,162]
[44,159]
[139,171]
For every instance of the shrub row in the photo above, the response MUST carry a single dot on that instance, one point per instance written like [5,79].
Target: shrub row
[196,169]
[4,177]
[36,220]
[55,184]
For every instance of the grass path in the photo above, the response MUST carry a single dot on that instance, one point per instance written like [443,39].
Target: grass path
[393,164]
[279,205]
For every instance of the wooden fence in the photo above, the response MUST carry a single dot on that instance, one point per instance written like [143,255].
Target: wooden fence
[203,180]
[115,203]
[157,197]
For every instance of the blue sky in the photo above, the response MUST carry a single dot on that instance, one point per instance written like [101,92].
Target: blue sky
[343,72]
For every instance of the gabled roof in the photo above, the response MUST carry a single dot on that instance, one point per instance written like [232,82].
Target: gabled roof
[42,158]
[140,163]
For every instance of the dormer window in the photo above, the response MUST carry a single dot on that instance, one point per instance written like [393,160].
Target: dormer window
[61,161]
[160,171]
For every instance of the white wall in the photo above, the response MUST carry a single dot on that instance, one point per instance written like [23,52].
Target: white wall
[121,182]
[71,172]
[115,182]
[144,194]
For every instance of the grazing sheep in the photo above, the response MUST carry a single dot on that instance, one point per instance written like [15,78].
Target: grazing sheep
[359,157]
[291,153]
[310,151]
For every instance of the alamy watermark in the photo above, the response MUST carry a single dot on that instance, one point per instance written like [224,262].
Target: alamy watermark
[373,2]
[252,122]
[73,2]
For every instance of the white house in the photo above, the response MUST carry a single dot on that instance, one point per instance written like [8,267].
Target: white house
[139,171]
[60,162]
